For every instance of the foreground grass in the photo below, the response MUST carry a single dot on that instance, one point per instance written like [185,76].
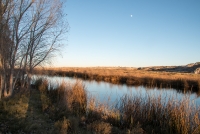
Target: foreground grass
[23,113]
[131,76]
[68,109]
[57,111]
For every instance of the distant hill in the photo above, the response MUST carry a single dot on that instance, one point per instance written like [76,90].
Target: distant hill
[189,68]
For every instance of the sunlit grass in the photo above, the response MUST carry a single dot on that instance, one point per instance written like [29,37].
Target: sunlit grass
[131,76]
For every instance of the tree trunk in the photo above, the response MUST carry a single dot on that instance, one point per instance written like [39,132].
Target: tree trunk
[22,79]
[5,92]
[29,77]
[2,85]
[10,91]
[2,77]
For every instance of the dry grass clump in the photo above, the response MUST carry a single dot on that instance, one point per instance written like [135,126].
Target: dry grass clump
[62,126]
[102,111]
[76,98]
[73,97]
[148,114]
[41,84]
[74,123]
[100,127]
[43,87]
[180,117]
[136,130]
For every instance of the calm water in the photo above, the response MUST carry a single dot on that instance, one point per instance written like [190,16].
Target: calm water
[107,92]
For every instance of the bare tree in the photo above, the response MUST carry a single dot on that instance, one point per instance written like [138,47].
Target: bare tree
[45,34]
[20,27]
[5,42]
[36,29]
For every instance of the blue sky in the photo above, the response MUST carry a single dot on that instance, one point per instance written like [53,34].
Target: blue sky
[131,33]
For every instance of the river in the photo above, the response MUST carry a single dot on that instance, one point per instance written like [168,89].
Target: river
[111,93]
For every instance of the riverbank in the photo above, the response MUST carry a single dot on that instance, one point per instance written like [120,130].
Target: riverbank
[67,108]
[131,76]
[57,111]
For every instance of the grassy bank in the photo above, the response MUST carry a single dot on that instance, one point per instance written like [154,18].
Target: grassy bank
[68,109]
[22,113]
[131,76]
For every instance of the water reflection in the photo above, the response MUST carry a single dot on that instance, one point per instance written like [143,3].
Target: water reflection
[111,93]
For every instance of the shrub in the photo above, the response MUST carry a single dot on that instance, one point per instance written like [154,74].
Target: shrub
[62,126]
[42,85]
[76,98]
[100,127]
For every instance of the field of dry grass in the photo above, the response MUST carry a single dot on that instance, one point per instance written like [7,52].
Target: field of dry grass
[131,76]
[128,72]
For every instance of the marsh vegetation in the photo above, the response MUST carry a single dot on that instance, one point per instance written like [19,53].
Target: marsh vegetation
[130,76]
[69,108]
